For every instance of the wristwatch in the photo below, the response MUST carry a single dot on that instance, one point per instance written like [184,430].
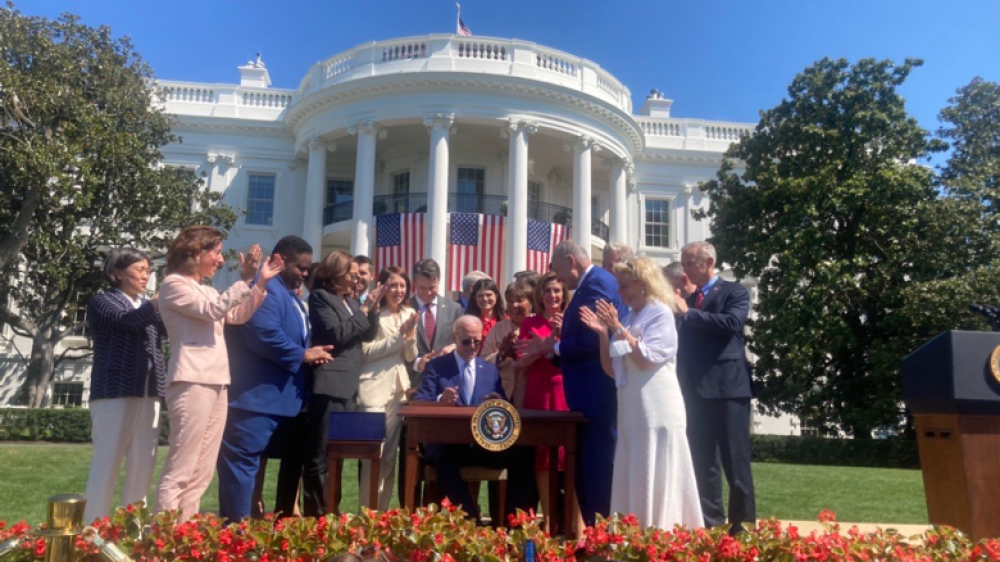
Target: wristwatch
[620,331]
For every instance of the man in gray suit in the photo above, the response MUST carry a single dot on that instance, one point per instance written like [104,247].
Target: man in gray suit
[434,334]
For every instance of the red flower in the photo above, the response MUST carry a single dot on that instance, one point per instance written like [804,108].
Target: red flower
[39,548]
[827,516]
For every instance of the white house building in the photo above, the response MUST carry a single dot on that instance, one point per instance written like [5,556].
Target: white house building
[424,127]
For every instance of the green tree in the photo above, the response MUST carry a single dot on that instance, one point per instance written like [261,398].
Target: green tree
[80,172]
[850,239]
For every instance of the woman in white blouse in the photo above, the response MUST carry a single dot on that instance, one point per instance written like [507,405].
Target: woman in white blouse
[384,379]
[654,476]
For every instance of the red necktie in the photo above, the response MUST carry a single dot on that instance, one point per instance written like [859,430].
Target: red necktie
[699,299]
[430,324]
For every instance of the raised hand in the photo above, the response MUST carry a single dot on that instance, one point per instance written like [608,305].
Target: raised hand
[590,320]
[374,296]
[409,327]
[250,263]
[271,269]
[556,321]
[607,314]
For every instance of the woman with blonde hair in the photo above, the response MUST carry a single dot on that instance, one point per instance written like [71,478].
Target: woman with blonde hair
[654,474]
[198,372]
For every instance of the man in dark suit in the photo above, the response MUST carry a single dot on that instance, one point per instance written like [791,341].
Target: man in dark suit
[461,378]
[269,357]
[588,389]
[715,378]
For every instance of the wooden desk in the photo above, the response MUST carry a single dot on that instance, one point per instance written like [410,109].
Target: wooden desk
[432,423]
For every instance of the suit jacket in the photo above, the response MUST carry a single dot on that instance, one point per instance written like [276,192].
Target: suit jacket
[128,360]
[442,373]
[711,355]
[447,312]
[584,381]
[384,370]
[265,355]
[194,314]
[338,322]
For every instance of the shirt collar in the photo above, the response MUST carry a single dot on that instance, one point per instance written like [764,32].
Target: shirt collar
[423,304]
[708,286]
[586,272]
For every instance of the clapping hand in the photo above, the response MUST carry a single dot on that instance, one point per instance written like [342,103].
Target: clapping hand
[556,321]
[409,327]
[374,296]
[250,263]
[534,345]
[591,320]
[271,269]
[607,314]
[450,396]
[317,355]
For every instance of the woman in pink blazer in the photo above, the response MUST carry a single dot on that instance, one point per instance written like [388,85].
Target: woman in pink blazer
[198,372]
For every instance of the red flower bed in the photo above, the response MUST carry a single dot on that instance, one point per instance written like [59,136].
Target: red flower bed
[444,535]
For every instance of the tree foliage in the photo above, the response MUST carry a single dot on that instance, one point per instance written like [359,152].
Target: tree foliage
[80,172]
[852,242]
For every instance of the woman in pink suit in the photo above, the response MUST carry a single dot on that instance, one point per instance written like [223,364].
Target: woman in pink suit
[198,372]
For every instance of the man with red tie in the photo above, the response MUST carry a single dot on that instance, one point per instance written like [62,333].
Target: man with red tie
[715,378]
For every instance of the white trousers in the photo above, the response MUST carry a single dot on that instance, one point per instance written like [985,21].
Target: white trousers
[121,428]
[387,464]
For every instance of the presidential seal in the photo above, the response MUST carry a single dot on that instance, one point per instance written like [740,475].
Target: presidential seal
[995,364]
[496,425]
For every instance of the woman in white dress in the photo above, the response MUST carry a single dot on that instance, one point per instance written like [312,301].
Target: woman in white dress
[654,476]
[384,380]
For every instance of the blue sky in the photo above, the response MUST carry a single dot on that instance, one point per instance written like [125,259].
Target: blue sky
[716,59]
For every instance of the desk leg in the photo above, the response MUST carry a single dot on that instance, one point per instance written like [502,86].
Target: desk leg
[333,465]
[550,518]
[570,460]
[374,478]
[411,471]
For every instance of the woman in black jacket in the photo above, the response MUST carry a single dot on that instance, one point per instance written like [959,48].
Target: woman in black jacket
[126,383]
[337,320]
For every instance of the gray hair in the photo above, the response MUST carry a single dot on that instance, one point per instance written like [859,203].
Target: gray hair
[428,269]
[702,249]
[622,251]
[674,272]
[121,258]
[469,280]
[568,248]
[465,322]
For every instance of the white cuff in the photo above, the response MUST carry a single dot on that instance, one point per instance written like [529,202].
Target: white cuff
[620,348]
[555,349]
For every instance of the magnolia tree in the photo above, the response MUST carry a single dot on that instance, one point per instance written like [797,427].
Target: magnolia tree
[80,173]
[861,254]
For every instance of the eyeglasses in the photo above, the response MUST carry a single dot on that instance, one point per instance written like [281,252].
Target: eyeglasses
[469,341]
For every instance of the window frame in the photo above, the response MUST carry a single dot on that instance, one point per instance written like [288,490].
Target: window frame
[274,199]
[670,227]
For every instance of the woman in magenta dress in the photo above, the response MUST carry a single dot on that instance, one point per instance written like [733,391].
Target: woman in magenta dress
[545,382]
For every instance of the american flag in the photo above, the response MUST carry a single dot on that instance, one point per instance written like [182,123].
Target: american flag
[463,29]
[476,244]
[542,239]
[399,240]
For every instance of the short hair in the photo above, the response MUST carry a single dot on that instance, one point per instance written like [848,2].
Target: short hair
[122,258]
[486,284]
[362,260]
[644,271]
[674,272]
[469,280]
[568,248]
[189,244]
[335,265]
[291,247]
[383,278]
[540,291]
[427,268]
[702,249]
[518,291]
[463,320]
[529,279]
[623,251]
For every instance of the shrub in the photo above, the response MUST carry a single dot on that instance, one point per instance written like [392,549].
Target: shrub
[69,425]
[873,453]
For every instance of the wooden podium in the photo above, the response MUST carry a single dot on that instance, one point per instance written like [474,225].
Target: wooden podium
[951,384]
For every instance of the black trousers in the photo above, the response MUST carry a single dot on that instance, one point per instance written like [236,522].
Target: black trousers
[288,444]
[448,461]
[719,434]
[315,473]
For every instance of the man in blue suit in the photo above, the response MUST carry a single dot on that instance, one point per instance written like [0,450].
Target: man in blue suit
[588,389]
[715,379]
[269,358]
[461,378]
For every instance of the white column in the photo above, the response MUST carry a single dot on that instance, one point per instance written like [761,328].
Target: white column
[618,172]
[583,149]
[364,185]
[439,127]
[312,219]
[517,197]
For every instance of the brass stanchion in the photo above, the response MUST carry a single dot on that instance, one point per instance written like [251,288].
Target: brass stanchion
[64,522]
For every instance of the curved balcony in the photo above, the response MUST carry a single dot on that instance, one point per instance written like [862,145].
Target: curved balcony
[461,203]
[476,55]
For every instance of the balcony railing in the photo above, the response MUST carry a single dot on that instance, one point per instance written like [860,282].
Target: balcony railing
[461,203]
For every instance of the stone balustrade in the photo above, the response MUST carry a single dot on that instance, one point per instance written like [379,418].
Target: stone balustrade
[669,132]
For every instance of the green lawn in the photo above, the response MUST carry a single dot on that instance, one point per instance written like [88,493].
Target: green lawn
[30,473]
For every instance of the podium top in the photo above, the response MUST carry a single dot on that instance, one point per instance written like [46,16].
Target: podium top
[956,372]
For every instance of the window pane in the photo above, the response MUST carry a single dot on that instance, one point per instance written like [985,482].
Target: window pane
[401,183]
[339,191]
[471,183]
[260,199]
[534,191]
[657,223]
